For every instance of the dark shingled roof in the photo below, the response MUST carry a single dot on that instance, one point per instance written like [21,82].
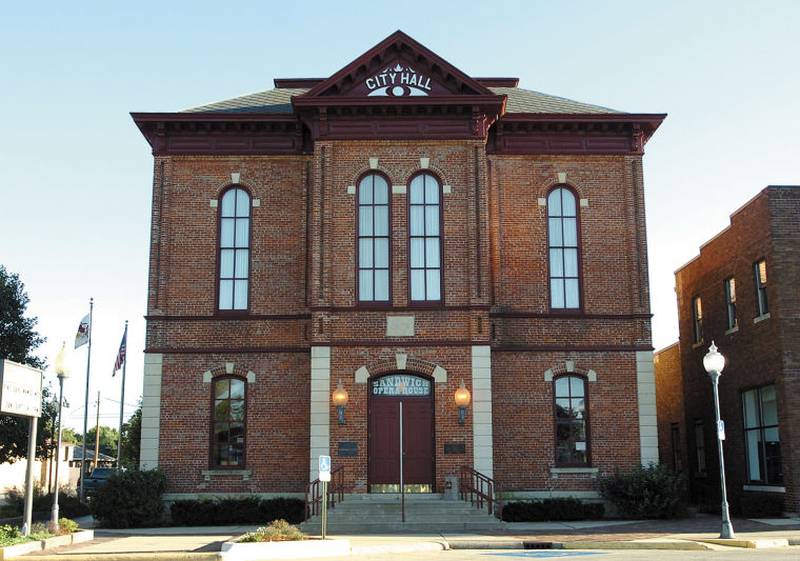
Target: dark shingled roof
[278,101]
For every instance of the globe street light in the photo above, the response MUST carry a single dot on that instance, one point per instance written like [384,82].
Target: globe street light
[714,363]
[62,373]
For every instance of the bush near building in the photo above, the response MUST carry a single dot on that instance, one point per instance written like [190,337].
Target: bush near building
[551,510]
[236,511]
[646,492]
[130,499]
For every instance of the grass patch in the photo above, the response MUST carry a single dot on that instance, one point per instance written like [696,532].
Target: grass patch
[277,531]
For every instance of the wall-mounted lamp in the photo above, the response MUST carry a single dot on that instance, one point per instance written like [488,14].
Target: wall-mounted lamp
[462,400]
[340,400]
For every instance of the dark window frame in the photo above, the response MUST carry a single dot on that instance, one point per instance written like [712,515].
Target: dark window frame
[578,248]
[586,419]
[729,286]
[217,287]
[390,269]
[697,319]
[762,302]
[427,303]
[675,444]
[212,448]
[761,428]
[700,446]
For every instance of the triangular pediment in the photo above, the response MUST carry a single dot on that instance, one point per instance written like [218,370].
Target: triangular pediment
[397,67]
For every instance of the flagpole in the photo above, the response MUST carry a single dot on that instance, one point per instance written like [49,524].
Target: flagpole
[122,397]
[86,402]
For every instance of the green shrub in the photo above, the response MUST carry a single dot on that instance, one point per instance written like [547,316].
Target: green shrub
[236,511]
[551,510]
[66,526]
[68,503]
[130,499]
[10,535]
[646,492]
[277,531]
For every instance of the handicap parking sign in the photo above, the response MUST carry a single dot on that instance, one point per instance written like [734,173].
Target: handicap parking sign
[324,468]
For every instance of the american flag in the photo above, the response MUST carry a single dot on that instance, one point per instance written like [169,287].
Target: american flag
[123,347]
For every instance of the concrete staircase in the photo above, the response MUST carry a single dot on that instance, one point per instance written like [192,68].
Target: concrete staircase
[380,513]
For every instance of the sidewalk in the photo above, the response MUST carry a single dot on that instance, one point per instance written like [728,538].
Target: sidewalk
[203,543]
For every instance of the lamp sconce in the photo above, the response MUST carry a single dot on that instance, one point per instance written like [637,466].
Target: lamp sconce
[462,401]
[340,400]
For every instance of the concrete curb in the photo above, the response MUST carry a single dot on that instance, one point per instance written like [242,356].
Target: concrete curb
[156,556]
[399,548]
[665,545]
[758,543]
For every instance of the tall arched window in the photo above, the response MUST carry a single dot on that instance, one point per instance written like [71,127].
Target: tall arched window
[234,249]
[562,235]
[229,417]
[373,239]
[572,421]
[425,239]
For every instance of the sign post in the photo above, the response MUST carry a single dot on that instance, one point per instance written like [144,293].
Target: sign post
[402,483]
[21,394]
[324,477]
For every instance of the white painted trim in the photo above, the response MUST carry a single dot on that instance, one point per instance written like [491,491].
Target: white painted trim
[439,375]
[762,317]
[398,189]
[548,375]
[562,177]
[236,177]
[584,203]
[482,448]
[577,470]
[542,201]
[424,163]
[588,495]
[362,375]
[319,422]
[447,189]
[213,203]
[400,360]
[373,163]
[229,366]
[764,488]
[151,410]
[646,393]
[256,203]
[351,189]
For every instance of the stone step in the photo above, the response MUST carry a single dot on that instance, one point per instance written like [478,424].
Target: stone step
[399,527]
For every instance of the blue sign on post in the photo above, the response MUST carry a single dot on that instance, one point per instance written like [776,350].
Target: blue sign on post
[324,468]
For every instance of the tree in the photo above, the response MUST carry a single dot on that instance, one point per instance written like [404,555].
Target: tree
[108,440]
[68,436]
[132,439]
[18,341]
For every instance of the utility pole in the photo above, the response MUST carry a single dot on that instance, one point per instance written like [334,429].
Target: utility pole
[97,433]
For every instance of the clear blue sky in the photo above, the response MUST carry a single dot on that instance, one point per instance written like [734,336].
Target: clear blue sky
[75,173]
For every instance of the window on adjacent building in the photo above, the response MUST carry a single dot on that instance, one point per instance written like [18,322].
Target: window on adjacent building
[228,444]
[760,272]
[572,431]
[425,239]
[373,239]
[730,301]
[697,319]
[675,441]
[234,249]
[761,438]
[562,235]
[700,446]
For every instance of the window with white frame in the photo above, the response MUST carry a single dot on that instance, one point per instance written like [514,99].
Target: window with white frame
[562,235]
[425,238]
[760,273]
[234,250]
[373,239]
[697,319]
[761,436]
[730,302]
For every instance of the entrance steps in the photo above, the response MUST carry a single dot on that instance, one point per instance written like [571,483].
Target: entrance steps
[430,513]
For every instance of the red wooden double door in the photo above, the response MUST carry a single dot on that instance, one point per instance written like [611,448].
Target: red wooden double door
[386,395]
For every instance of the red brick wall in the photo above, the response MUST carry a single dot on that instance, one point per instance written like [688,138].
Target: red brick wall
[669,404]
[758,352]
[303,269]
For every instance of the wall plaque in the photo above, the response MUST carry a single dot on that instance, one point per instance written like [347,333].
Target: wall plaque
[347,448]
[455,448]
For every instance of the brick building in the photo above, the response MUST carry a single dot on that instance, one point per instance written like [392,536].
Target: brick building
[741,292]
[397,231]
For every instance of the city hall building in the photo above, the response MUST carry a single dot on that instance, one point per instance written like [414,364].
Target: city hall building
[399,246]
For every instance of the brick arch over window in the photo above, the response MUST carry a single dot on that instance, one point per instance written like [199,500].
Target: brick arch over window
[229,369]
[401,363]
[547,186]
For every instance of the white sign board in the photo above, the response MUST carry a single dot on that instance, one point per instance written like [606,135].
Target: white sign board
[324,468]
[20,389]
[721,429]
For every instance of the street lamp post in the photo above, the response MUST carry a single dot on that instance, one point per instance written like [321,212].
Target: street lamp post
[714,363]
[62,373]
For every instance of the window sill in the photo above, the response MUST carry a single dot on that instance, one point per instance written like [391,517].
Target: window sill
[699,344]
[244,474]
[556,471]
[764,488]
[761,318]
[732,330]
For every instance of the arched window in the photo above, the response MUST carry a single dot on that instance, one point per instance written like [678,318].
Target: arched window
[373,239]
[562,235]
[425,239]
[228,437]
[234,249]
[572,421]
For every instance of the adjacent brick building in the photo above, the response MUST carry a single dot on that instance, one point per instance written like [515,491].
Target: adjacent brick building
[741,292]
[397,231]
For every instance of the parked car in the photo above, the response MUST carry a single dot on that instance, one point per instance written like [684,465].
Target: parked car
[98,478]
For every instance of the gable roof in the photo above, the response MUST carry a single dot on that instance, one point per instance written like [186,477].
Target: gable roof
[279,101]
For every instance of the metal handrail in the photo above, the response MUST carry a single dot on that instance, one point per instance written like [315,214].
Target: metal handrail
[481,489]
[335,492]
